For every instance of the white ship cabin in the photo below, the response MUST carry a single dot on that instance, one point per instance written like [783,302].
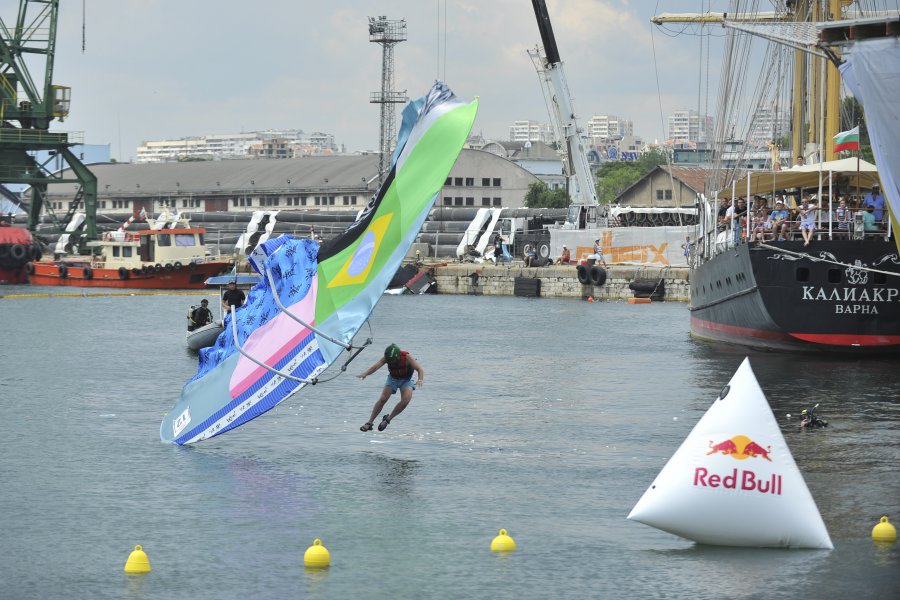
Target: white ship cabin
[169,241]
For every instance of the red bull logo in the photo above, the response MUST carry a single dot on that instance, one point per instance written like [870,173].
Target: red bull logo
[740,447]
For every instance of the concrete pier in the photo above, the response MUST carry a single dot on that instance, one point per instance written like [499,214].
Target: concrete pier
[556,281]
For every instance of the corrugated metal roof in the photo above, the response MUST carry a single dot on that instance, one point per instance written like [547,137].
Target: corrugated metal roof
[301,174]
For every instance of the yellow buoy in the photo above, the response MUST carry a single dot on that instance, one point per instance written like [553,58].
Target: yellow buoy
[317,556]
[503,543]
[884,531]
[137,563]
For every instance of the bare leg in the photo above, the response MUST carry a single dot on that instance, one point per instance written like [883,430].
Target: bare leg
[379,404]
[405,397]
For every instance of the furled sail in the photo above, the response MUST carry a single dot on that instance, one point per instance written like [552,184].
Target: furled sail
[872,72]
[312,300]
[733,482]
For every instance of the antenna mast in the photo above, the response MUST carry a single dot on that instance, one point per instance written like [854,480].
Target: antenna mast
[388,33]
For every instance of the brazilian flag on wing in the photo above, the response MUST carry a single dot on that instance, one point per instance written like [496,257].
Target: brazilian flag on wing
[312,300]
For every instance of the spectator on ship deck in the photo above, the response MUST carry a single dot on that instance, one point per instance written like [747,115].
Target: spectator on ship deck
[842,216]
[876,201]
[779,220]
[869,222]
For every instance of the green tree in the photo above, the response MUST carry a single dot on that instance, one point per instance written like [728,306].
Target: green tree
[541,196]
[614,177]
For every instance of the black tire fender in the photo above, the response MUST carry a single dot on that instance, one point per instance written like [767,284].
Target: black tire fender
[169,268]
[123,273]
[29,268]
[584,276]
[157,268]
[18,251]
[177,265]
[598,275]
[88,273]
[63,271]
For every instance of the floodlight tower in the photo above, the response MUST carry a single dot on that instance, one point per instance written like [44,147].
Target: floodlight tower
[387,33]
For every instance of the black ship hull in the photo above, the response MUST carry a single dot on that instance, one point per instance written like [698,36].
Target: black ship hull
[835,296]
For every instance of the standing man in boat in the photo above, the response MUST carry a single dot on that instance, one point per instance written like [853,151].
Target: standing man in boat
[232,297]
[400,371]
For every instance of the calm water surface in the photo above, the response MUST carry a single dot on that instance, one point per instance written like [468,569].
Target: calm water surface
[548,418]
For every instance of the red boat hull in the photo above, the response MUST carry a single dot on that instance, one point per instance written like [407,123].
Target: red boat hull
[188,277]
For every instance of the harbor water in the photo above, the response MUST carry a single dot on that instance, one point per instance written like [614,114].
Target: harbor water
[546,417]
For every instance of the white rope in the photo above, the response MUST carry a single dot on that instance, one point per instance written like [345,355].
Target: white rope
[826,260]
[319,332]
[237,344]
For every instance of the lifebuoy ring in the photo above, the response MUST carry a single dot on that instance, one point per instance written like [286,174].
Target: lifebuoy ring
[169,268]
[29,268]
[584,276]
[598,275]
[17,251]
[63,271]
[177,265]
[88,273]
[123,273]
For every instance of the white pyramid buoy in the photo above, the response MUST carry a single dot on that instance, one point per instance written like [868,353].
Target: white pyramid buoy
[733,482]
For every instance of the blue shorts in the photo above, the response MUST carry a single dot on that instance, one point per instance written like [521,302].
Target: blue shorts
[398,384]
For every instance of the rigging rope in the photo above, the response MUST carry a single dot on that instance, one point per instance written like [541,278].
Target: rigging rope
[826,260]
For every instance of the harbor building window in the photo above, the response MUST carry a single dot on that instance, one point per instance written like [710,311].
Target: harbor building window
[457,201]
[470,181]
[457,181]
[102,203]
[485,201]
[449,181]
[190,203]
[485,182]
[470,201]
[663,194]
[498,202]
[330,200]
[448,201]
[496,182]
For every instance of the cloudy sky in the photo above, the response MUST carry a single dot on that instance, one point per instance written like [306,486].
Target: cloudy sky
[162,69]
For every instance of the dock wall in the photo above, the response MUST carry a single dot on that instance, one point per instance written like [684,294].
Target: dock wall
[556,281]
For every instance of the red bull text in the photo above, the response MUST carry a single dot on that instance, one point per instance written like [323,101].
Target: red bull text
[747,480]
[740,447]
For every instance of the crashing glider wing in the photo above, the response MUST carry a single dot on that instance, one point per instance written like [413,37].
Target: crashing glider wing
[733,482]
[312,300]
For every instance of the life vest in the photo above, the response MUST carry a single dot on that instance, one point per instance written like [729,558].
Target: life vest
[400,369]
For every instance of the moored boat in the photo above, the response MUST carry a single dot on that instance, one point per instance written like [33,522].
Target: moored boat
[170,255]
[17,250]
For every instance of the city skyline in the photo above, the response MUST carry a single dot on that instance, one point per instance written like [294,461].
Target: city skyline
[284,67]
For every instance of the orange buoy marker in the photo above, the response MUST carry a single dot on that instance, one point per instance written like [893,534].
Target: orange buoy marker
[590,298]
[137,563]
[639,301]
[503,543]
[317,556]
[884,531]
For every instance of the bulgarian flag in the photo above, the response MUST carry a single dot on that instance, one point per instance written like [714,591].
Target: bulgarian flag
[847,140]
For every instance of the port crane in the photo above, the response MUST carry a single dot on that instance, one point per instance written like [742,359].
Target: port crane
[584,211]
[27,108]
